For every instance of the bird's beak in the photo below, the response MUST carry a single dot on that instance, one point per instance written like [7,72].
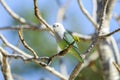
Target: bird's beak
[54,26]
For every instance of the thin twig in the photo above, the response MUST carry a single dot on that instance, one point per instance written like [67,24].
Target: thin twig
[78,66]
[63,67]
[110,9]
[19,18]
[20,32]
[5,66]
[14,15]
[90,37]
[75,72]
[102,17]
[117,67]
[116,53]
[61,53]
[18,56]
[82,37]
[117,17]
[27,56]
[88,60]
[17,45]
[36,10]
[87,14]
[94,6]
[60,18]
[109,34]
[96,37]
[24,27]
[13,47]
[61,11]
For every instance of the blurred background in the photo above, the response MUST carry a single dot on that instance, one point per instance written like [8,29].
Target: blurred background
[45,44]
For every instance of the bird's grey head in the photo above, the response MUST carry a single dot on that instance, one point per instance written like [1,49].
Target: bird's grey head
[57,27]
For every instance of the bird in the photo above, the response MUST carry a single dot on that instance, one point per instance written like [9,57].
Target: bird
[64,38]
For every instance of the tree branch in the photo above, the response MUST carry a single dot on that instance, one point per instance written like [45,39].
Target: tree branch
[117,67]
[36,11]
[61,53]
[20,32]
[24,27]
[82,37]
[14,48]
[28,57]
[14,15]
[96,37]
[87,14]
[5,66]
[75,72]
[107,48]
[109,34]
[78,66]
[61,11]
[94,4]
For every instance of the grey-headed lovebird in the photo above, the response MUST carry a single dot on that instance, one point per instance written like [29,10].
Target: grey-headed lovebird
[64,38]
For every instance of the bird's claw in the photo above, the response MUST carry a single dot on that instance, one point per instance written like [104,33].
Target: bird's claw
[45,61]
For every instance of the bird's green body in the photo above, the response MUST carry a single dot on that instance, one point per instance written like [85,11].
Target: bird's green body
[64,39]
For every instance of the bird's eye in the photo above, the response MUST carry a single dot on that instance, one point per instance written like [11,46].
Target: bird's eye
[54,26]
[57,25]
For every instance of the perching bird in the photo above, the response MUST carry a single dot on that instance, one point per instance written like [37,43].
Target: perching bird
[64,38]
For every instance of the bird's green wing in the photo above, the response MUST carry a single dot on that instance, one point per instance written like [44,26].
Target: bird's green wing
[69,39]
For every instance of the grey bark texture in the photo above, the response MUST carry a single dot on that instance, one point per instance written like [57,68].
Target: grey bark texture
[108,50]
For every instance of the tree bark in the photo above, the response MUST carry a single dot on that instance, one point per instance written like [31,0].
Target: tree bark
[108,51]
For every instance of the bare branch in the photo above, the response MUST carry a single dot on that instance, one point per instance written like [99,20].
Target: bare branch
[108,53]
[29,57]
[1,58]
[61,53]
[80,66]
[95,39]
[5,66]
[63,67]
[90,59]
[36,10]
[110,9]
[116,53]
[24,27]
[94,15]
[117,67]
[117,17]
[14,15]
[53,71]
[13,47]
[90,37]
[107,35]
[18,56]
[61,11]
[75,72]
[102,17]
[82,37]
[87,14]
[20,32]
